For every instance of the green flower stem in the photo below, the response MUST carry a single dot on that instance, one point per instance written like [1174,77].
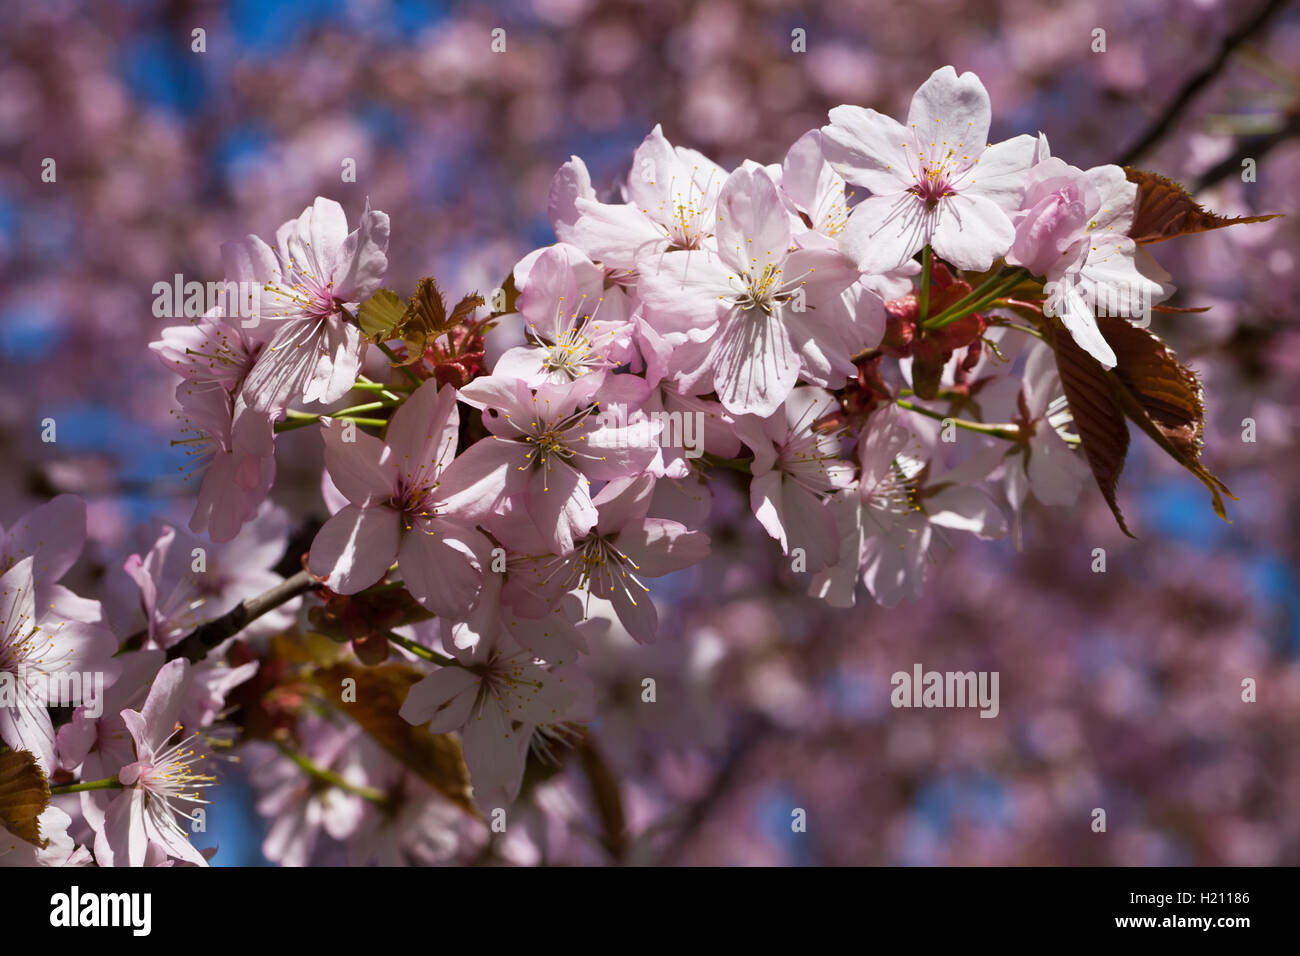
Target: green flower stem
[303,419]
[960,311]
[330,777]
[1008,431]
[735,464]
[383,347]
[396,363]
[390,391]
[974,294]
[923,311]
[109,783]
[1027,329]
[420,651]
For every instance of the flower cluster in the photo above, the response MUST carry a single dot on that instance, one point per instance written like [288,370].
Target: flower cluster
[876,375]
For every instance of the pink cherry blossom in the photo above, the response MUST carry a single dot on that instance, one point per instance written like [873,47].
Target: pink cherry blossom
[575,325]
[184,582]
[397,508]
[232,444]
[795,469]
[38,646]
[625,546]
[1073,230]
[935,181]
[531,477]
[1048,465]
[766,312]
[316,272]
[165,781]
[672,193]
[494,695]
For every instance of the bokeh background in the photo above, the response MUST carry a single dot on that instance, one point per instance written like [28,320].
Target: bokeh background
[1119,690]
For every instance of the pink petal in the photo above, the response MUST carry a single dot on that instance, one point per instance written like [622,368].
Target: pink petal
[659,546]
[423,432]
[442,700]
[437,568]
[867,149]
[52,533]
[753,226]
[363,469]
[950,112]
[972,231]
[755,364]
[356,547]
[123,841]
[885,231]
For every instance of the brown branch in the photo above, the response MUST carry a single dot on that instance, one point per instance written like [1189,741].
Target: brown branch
[1198,81]
[195,645]
[1247,147]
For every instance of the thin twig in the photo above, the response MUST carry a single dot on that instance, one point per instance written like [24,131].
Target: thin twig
[1198,81]
[195,645]
[1246,147]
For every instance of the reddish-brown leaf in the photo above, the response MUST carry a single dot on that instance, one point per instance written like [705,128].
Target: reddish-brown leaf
[1149,386]
[1097,418]
[1165,210]
[1163,397]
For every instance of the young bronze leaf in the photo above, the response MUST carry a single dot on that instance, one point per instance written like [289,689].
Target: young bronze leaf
[24,795]
[380,691]
[380,314]
[465,309]
[1097,418]
[1163,397]
[426,311]
[424,320]
[1165,210]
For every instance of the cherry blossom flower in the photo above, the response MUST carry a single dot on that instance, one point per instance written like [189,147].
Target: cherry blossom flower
[889,520]
[1047,465]
[574,324]
[795,469]
[1073,231]
[232,444]
[316,272]
[531,477]
[935,181]
[766,312]
[495,695]
[37,646]
[625,546]
[672,193]
[164,782]
[397,509]
[184,582]
[299,807]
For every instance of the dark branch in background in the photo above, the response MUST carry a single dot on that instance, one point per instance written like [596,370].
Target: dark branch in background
[755,732]
[1198,81]
[195,645]
[1247,147]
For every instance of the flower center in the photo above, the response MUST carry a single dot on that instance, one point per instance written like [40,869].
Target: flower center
[932,185]
[175,773]
[598,567]
[762,290]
